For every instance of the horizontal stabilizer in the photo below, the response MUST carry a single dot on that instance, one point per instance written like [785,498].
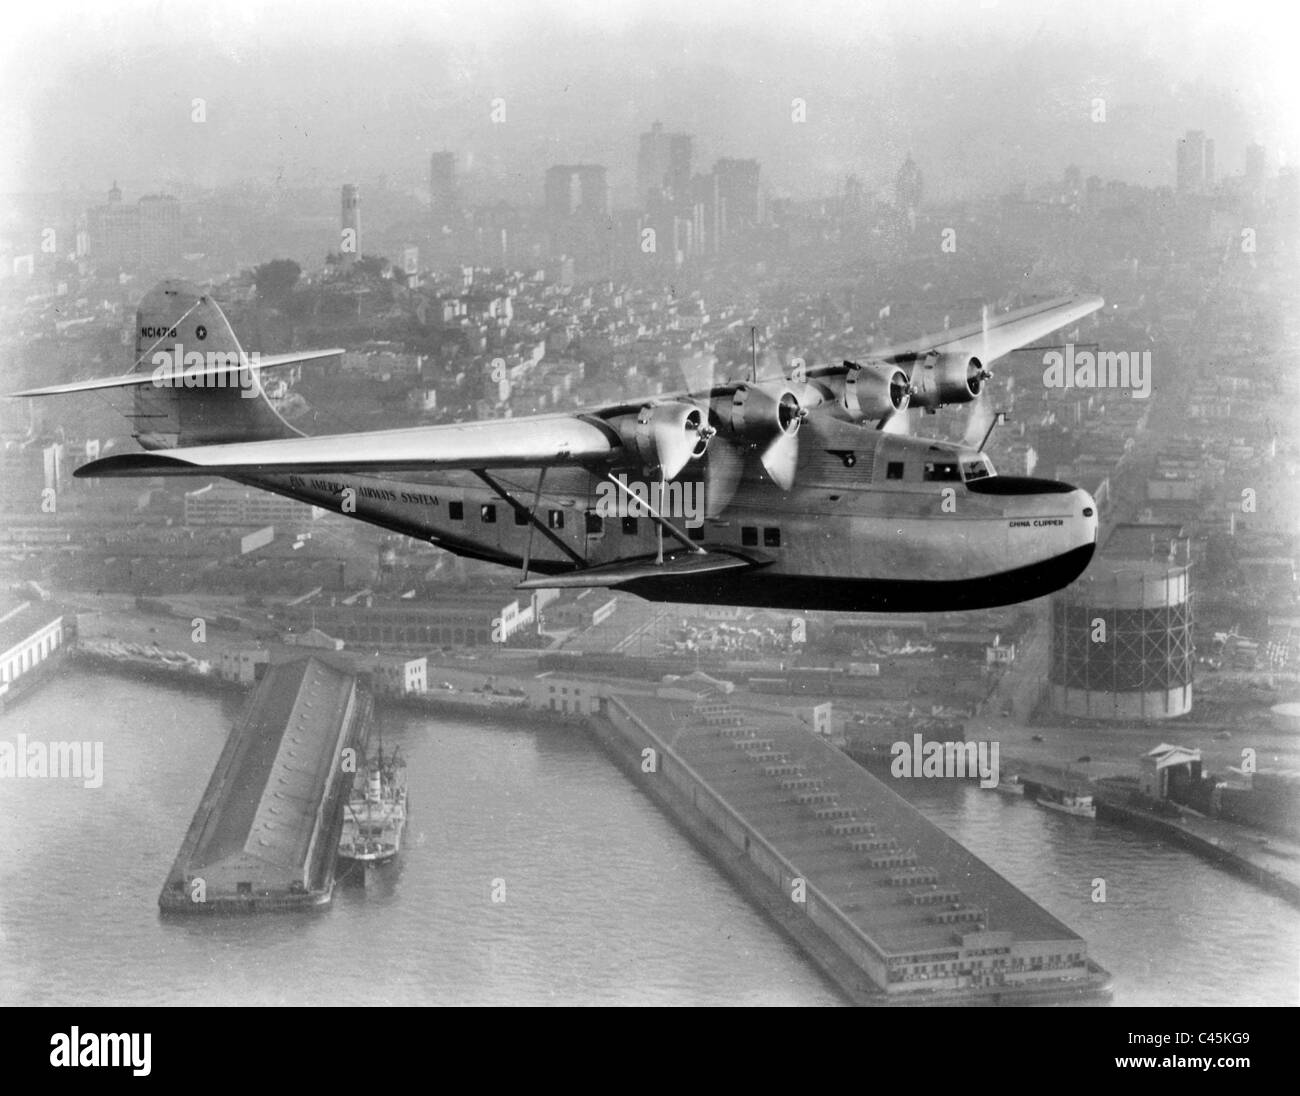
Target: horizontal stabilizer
[674,565]
[188,378]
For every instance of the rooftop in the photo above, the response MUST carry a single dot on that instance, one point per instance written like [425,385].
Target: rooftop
[284,748]
[20,619]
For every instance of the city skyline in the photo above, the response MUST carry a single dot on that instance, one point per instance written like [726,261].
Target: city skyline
[270,106]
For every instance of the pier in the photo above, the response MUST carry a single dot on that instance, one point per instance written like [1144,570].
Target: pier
[890,908]
[265,834]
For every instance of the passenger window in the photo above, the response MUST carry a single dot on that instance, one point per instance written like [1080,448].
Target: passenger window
[521,516]
[749,536]
[771,537]
[487,513]
[555,519]
[894,470]
[595,523]
[456,511]
[629,526]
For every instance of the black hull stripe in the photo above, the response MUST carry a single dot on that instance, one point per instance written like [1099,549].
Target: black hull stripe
[774,591]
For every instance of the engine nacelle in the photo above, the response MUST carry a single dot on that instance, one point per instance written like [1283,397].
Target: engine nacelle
[765,411]
[666,436]
[874,392]
[947,378]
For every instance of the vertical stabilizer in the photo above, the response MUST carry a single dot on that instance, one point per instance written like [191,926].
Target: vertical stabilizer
[180,329]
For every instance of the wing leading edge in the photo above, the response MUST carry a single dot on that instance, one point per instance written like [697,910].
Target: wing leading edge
[501,443]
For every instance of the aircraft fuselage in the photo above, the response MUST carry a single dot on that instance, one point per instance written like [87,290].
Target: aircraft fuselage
[875,522]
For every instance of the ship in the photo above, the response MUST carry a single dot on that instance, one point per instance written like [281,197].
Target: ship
[1056,799]
[374,816]
[1012,788]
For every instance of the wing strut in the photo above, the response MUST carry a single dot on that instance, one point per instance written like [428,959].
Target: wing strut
[660,520]
[533,520]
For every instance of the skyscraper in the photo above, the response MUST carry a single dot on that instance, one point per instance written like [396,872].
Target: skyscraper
[1189,155]
[1256,172]
[350,236]
[738,195]
[908,186]
[160,231]
[443,196]
[663,163]
[114,233]
[576,190]
[576,215]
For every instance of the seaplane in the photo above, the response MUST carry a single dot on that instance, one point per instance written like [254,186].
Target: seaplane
[796,491]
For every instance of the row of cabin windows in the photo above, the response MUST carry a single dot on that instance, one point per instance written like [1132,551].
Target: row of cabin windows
[487,514]
[749,536]
[596,524]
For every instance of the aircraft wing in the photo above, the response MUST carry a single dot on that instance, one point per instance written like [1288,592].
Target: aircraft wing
[535,441]
[1005,332]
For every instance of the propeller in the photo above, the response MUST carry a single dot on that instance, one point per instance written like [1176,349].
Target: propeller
[981,415]
[723,469]
[724,464]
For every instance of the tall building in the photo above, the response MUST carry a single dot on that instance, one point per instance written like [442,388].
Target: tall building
[576,190]
[443,196]
[738,196]
[113,233]
[161,234]
[148,234]
[351,222]
[577,216]
[663,163]
[908,186]
[1189,155]
[706,213]
[1256,173]
[1256,165]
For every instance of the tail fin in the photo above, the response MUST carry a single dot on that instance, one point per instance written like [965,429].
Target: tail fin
[208,394]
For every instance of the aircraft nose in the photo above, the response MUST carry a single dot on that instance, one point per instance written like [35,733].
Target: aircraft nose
[1086,516]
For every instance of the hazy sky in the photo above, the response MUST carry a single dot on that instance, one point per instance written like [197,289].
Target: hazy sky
[982,92]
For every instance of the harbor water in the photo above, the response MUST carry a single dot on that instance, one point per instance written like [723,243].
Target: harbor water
[531,871]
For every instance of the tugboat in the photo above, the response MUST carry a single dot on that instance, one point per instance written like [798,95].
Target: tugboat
[1012,789]
[375,814]
[1058,799]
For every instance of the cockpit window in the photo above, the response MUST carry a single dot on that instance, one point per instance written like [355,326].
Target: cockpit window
[976,469]
[943,472]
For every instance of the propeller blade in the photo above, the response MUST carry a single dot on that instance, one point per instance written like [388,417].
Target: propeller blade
[698,371]
[900,422]
[770,366]
[780,459]
[724,465]
[977,423]
[981,414]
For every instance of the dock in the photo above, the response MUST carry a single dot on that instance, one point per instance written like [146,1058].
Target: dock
[891,909]
[266,832]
